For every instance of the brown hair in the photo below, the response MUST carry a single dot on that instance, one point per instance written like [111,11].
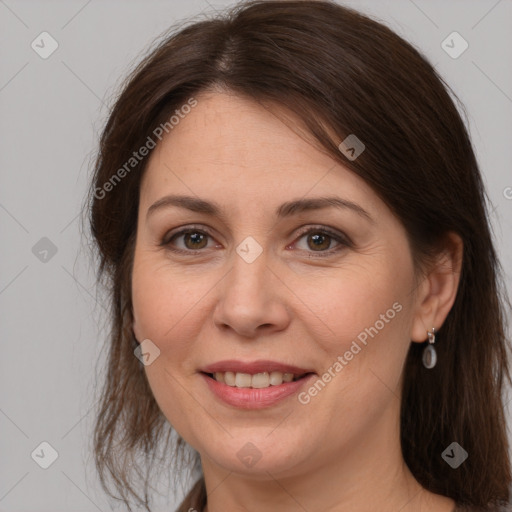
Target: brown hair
[332,67]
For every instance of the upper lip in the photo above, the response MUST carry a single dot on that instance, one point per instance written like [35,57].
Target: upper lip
[253,367]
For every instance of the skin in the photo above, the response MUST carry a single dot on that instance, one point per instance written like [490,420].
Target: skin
[341,451]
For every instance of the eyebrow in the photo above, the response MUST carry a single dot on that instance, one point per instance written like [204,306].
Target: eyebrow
[287,209]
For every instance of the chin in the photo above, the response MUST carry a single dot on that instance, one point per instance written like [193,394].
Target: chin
[257,455]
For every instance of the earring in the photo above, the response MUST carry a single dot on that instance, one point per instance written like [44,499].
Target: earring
[429,357]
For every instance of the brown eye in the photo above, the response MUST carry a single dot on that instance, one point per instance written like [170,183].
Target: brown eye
[187,240]
[322,242]
[195,240]
[319,241]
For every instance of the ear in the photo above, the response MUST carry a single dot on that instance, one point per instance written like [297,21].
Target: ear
[437,291]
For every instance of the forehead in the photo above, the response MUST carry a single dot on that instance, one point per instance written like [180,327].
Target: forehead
[233,147]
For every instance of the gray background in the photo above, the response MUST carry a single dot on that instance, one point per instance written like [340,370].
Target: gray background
[52,110]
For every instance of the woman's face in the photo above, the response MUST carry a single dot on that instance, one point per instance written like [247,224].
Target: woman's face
[268,280]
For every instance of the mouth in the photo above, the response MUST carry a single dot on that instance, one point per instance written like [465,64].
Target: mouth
[258,380]
[254,385]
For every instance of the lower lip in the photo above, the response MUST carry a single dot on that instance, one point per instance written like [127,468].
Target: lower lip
[252,398]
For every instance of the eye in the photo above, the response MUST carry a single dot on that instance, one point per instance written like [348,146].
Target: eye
[187,240]
[320,240]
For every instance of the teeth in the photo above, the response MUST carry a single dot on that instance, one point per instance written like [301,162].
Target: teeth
[258,380]
[243,380]
[229,378]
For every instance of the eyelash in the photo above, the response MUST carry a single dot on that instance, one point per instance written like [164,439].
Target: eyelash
[342,240]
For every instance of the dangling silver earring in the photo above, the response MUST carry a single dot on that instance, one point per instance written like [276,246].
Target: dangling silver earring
[429,353]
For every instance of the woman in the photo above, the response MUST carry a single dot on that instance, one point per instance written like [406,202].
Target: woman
[290,216]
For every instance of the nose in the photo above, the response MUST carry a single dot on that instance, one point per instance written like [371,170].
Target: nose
[251,299]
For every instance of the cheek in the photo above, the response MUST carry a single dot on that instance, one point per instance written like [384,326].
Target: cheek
[163,299]
[366,314]
[358,300]
[172,305]
[148,297]
[163,305]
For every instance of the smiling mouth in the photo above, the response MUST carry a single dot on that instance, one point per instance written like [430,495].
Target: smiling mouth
[255,381]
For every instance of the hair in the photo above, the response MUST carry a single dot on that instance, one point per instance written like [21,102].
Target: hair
[339,72]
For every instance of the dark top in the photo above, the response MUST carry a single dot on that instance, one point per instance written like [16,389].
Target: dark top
[196,499]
